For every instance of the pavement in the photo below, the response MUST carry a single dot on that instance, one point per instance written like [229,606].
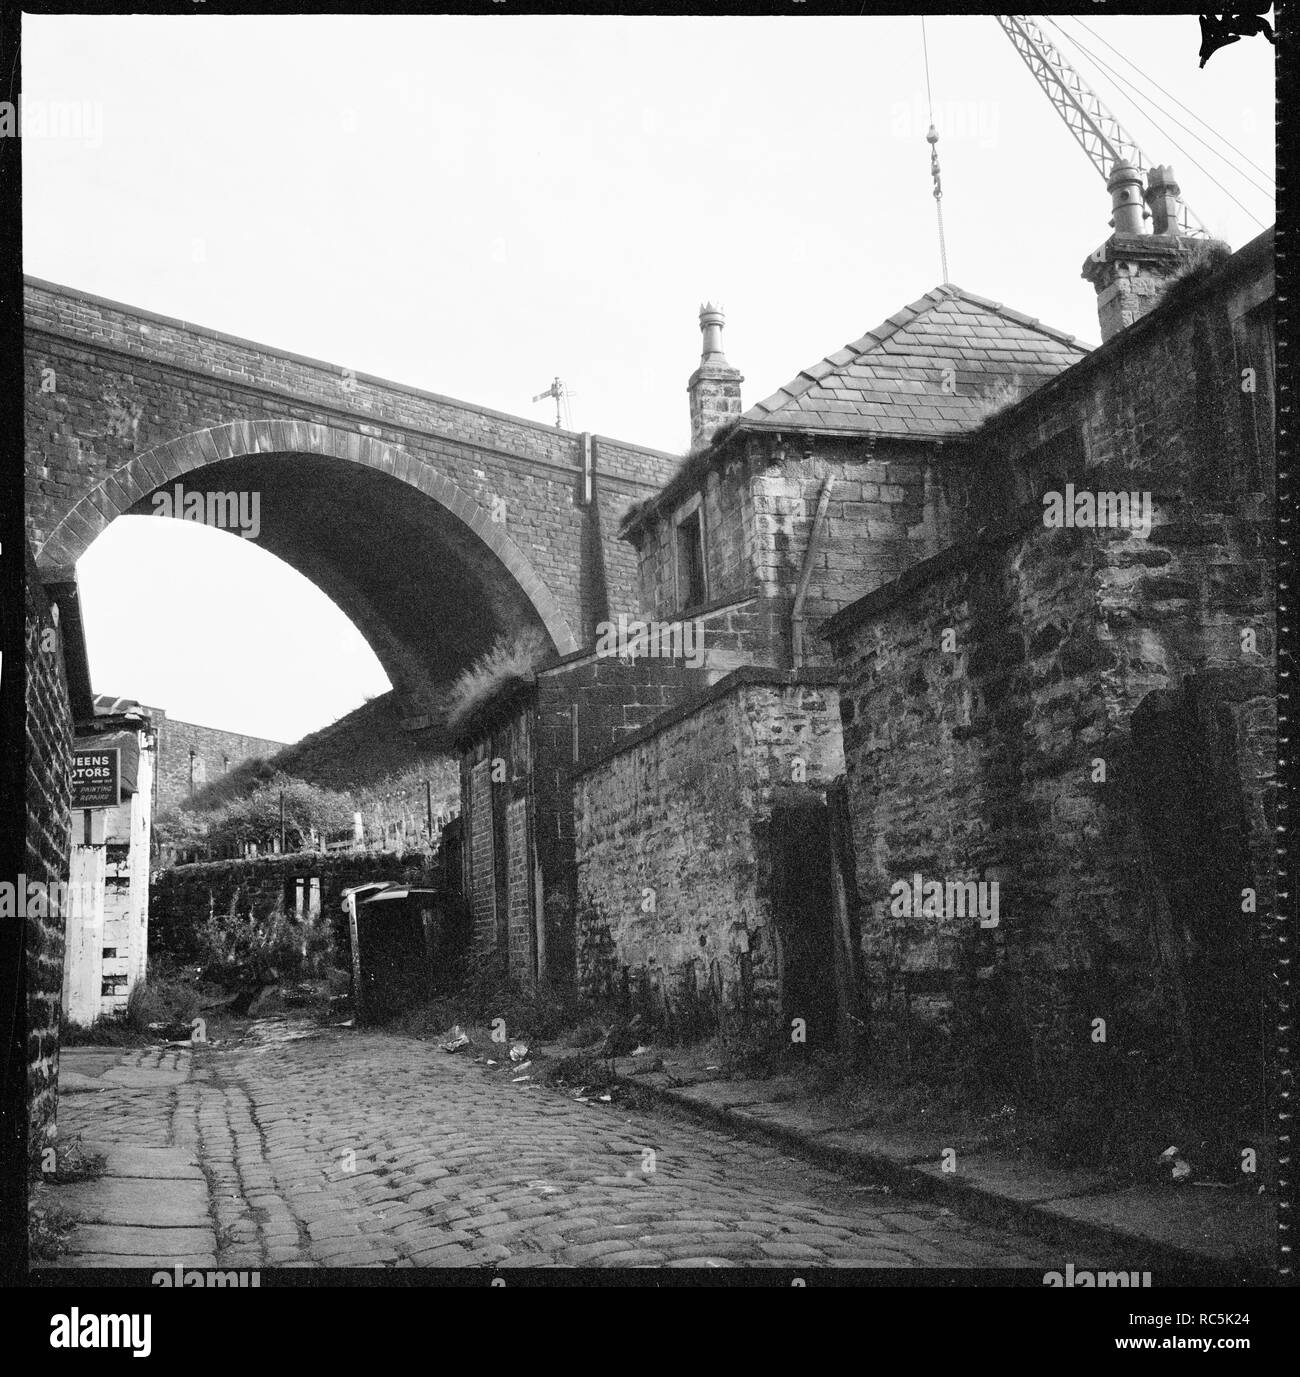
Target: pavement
[297,1145]
[1229,1233]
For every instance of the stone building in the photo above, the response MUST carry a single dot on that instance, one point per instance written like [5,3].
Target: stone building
[1017,594]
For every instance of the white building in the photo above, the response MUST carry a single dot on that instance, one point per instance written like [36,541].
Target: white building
[107,932]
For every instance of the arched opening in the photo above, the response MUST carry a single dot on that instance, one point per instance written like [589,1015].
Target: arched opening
[423,571]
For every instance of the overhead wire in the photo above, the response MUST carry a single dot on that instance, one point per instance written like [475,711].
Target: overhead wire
[1124,89]
[1263,191]
[1264,172]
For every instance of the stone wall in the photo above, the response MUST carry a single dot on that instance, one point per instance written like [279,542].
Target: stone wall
[1086,716]
[49,746]
[108,384]
[182,898]
[215,753]
[884,513]
[673,901]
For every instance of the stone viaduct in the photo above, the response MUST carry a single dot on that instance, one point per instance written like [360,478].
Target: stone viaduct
[432,524]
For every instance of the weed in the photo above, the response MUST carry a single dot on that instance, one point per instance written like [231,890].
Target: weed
[73,1162]
[509,660]
[49,1225]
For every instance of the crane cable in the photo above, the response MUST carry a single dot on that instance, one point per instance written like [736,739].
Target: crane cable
[932,138]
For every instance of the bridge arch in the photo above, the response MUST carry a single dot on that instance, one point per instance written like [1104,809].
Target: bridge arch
[429,580]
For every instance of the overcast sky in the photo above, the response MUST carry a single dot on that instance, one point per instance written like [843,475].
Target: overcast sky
[476,205]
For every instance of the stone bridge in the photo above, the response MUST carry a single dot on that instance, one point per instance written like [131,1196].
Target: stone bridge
[434,525]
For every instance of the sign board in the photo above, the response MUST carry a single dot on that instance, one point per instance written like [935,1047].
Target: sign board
[97,778]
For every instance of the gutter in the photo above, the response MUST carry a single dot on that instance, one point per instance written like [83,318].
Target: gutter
[805,574]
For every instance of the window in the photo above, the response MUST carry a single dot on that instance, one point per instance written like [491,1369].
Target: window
[692,582]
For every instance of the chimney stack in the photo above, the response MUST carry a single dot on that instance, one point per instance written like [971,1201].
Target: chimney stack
[714,388]
[1132,268]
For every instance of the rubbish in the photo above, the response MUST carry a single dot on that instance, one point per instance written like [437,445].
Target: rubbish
[518,1051]
[710,1068]
[640,1051]
[606,1099]
[490,1062]
[457,1041]
[523,1066]
[514,1080]
[1181,1169]
[347,1023]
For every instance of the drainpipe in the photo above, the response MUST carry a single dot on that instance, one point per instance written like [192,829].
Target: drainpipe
[805,574]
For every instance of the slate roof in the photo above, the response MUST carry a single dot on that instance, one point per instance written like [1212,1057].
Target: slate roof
[890,381]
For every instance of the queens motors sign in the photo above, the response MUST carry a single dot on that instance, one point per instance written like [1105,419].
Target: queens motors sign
[97,778]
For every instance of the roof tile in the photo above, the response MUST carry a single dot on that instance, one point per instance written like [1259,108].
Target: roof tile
[886,381]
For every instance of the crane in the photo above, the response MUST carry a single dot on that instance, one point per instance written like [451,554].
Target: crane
[1097,131]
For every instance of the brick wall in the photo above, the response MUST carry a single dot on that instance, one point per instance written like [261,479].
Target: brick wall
[519,909]
[678,810]
[482,858]
[49,745]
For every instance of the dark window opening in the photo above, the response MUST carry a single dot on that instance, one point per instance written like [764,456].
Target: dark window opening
[691,587]
[110,953]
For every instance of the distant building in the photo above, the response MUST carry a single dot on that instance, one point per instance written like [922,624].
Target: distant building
[191,756]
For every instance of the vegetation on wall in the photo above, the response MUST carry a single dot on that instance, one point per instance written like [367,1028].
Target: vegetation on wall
[512,660]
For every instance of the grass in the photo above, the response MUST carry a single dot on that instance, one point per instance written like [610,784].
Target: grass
[511,660]
[999,396]
[1202,258]
[170,995]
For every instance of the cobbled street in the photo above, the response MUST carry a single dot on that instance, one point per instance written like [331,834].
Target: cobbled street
[332,1147]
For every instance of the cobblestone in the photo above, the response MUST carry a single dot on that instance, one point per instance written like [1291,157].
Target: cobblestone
[451,1168]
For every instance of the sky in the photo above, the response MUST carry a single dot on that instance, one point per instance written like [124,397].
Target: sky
[477,205]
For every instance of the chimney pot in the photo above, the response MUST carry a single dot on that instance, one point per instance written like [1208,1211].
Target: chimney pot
[1162,196]
[714,387]
[1125,187]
